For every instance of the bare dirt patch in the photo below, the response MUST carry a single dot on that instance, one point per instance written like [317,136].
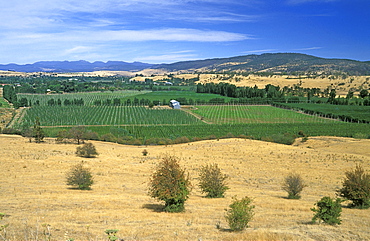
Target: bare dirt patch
[34,192]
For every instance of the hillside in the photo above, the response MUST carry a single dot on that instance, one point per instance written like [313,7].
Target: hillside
[286,63]
[75,66]
[276,63]
[37,201]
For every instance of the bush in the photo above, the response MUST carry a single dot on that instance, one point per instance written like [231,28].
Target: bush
[287,139]
[212,181]
[80,177]
[87,150]
[239,214]
[293,184]
[328,210]
[170,184]
[356,187]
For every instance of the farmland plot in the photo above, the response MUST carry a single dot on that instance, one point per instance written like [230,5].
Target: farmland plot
[222,114]
[87,97]
[105,115]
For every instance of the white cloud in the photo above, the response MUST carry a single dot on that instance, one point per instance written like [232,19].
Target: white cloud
[310,48]
[166,58]
[308,1]
[169,34]
[78,49]
[260,51]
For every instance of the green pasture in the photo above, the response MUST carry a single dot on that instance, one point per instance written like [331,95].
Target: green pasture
[254,130]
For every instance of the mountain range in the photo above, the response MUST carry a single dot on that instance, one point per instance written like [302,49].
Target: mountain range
[269,62]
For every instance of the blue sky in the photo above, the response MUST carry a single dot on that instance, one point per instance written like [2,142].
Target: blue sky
[166,31]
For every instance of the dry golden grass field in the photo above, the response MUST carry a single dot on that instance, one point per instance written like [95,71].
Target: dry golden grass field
[37,201]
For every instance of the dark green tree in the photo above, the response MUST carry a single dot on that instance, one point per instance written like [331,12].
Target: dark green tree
[328,210]
[363,93]
[356,187]
[38,133]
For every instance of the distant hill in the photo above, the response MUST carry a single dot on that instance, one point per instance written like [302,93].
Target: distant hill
[274,62]
[76,66]
[271,62]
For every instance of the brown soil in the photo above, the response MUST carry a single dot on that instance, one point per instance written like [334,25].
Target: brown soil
[34,194]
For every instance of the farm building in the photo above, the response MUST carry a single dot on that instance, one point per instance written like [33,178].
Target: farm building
[175,104]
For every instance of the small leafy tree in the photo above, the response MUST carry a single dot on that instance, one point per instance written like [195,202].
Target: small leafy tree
[87,150]
[239,214]
[328,210]
[212,181]
[356,187]
[170,184]
[38,133]
[77,133]
[80,177]
[293,184]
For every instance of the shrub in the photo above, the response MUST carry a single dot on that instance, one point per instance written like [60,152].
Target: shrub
[328,210]
[77,133]
[293,184]
[80,177]
[170,184]
[87,150]
[356,187]
[145,152]
[212,181]
[38,133]
[112,234]
[108,137]
[62,136]
[239,214]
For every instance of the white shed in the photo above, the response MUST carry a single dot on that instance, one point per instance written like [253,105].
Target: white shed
[175,104]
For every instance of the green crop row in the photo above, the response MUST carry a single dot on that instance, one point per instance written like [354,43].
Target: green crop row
[87,97]
[104,115]
[354,113]
[233,114]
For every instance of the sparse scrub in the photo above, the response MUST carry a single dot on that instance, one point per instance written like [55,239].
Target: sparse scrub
[356,187]
[80,177]
[239,214]
[170,184]
[293,184]
[212,181]
[328,210]
[87,150]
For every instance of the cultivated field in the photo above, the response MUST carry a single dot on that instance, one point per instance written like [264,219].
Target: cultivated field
[34,194]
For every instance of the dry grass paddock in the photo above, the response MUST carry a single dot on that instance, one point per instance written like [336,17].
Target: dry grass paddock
[38,202]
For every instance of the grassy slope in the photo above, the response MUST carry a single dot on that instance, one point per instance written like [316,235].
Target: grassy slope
[34,190]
